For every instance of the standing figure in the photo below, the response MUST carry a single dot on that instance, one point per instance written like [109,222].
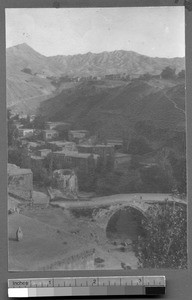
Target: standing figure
[19,234]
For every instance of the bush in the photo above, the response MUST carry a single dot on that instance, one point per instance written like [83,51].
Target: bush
[156,180]
[181,74]
[27,71]
[168,73]
[165,245]
[139,146]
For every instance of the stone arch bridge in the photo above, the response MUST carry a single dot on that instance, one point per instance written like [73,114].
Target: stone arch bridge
[102,214]
[105,207]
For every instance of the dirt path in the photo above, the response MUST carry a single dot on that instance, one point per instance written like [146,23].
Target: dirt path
[114,199]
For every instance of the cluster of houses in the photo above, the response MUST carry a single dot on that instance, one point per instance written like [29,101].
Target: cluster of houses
[119,76]
[112,76]
[77,152]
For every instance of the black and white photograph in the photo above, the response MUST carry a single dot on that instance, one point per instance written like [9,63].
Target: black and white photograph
[96,138]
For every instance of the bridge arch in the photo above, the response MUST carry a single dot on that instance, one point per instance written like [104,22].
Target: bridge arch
[125,223]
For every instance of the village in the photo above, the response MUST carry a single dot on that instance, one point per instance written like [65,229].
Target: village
[66,160]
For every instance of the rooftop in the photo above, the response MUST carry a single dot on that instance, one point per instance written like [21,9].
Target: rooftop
[33,144]
[103,146]
[78,131]
[118,155]
[35,157]
[24,129]
[115,140]
[58,123]
[45,150]
[64,171]
[75,154]
[61,143]
[50,130]
[12,202]
[95,146]
[85,146]
[15,170]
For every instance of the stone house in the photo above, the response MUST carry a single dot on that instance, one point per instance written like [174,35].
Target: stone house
[54,125]
[113,76]
[25,132]
[62,145]
[116,143]
[120,159]
[37,161]
[31,146]
[81,161]
[17,124]
[32,118]
[43,152]
[67,182]
[50,134]
[99,149]
[77,135]
[20,182]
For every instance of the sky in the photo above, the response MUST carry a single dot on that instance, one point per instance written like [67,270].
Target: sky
[152,31]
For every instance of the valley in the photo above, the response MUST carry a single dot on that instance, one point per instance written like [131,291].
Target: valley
[88,130]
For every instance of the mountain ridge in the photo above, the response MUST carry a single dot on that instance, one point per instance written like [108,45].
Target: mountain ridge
[25,45]
[29,73]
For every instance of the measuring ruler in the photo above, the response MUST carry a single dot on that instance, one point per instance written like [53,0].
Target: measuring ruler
[86,286]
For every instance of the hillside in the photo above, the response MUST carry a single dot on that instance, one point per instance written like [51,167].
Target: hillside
[115,62]
[29,74]
[112,111]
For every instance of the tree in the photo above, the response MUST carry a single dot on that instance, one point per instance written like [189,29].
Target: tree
[128,136]
[156,180]
[107,184]
[41,175]
[48,163]
[139,146]
[135,162]
[26,122]
[181,74]
[168,73]
[12,131]
[19,156]
[145,76]
[39,122]
[87,180]
[27,70]
[63,132]
[149,130]
[179,172]
[165,242]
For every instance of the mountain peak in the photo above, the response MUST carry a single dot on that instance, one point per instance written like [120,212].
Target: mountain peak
[21,46]
[23,49]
